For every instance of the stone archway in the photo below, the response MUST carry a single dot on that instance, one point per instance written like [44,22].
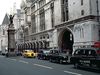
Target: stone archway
[33,45]
[37,45]
[19,47]
[40,44]
[28,46]
[66,40]
[25,45]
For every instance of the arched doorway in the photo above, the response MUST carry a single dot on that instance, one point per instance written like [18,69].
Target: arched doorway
[40,44]
[65,41]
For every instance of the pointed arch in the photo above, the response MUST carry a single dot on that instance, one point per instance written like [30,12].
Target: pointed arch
[65,40]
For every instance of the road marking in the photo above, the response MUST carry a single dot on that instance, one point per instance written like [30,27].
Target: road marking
[43,66]
[13,59]
[72,73]
[23,61]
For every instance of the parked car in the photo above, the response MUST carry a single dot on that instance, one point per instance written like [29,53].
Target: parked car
[18,53]
[87,58]
[28,53]
[4,52]
[58,56]
[43,54]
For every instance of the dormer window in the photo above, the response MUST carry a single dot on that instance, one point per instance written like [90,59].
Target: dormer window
[82,12]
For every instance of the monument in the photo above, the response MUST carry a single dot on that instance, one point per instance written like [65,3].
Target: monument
[11,37]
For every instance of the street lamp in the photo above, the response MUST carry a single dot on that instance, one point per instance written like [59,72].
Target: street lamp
[23,28]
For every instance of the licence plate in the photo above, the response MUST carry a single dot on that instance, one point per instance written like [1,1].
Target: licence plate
[85,61]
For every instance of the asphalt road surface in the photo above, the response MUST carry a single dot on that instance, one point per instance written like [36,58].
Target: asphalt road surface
[33,66]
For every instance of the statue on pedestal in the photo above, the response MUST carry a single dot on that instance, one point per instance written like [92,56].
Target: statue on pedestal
[11,20]
[11,37]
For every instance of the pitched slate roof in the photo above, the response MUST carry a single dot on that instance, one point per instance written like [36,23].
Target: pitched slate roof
[5,20]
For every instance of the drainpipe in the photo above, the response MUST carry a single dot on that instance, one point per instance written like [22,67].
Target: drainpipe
[90,7]
[98,19]
[97,10]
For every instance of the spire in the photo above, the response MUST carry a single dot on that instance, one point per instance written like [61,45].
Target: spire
[5,20]
[22,4]
[14,8]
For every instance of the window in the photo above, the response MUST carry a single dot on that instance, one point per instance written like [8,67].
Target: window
[81,2]
[47,36]
[41,3]
[48,43]
[93,53]
[33,8]
[82,12]
[64,9]
[42,19]
[87,52]
[33,24]
[3,32]
[52,14]
[77,52]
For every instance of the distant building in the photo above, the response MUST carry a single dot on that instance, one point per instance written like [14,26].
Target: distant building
[4,28]
[62,24]
[16,21]
[3,33]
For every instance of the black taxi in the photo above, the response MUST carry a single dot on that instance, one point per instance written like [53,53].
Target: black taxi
[87,58]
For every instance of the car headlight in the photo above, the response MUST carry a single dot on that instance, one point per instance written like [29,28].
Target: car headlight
[64,57]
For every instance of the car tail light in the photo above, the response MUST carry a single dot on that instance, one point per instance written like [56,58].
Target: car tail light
[96,44]
[98,52]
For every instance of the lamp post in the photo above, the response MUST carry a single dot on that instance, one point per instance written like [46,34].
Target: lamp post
[22,26]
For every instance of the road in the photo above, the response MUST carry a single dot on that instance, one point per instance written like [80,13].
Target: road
[33,66]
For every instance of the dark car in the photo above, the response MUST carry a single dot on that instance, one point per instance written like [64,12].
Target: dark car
[18,53]
[43,54]
[58,56]
[87,58]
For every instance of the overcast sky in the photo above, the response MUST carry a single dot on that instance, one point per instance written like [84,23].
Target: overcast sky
[6,6]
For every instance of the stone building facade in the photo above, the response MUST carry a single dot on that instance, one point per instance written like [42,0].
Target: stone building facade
[59,24]
[3,33]
[4,28]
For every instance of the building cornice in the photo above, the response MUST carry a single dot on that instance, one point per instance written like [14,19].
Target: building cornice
[72,22]
[41,32]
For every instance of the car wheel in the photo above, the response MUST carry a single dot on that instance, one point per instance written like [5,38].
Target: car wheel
[76,65]
[7,55]
[60,61]
[38,57]
[50,60]
[24,56]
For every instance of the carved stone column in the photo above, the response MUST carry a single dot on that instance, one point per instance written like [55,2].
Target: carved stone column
[11,40]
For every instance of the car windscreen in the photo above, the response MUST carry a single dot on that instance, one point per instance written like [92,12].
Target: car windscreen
[46,52]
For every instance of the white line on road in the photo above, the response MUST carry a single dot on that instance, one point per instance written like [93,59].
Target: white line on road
[12,59]
[72,73]
[23,61]
[43,66]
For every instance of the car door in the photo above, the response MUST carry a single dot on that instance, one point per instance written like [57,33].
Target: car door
[88,57]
